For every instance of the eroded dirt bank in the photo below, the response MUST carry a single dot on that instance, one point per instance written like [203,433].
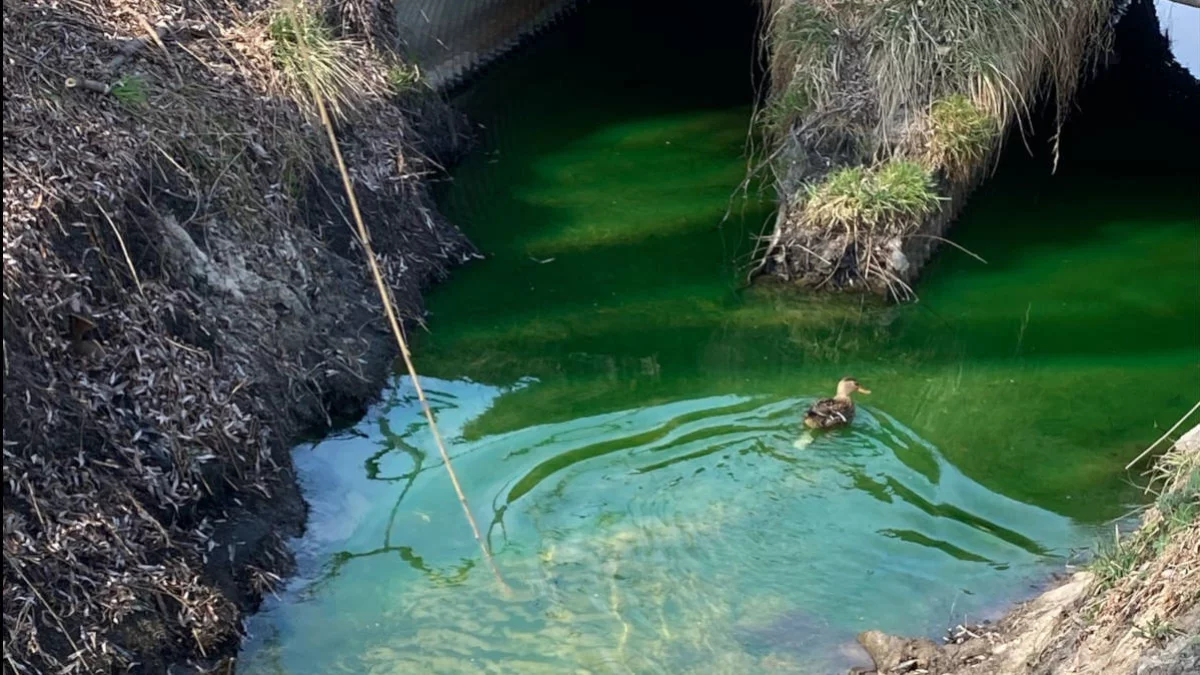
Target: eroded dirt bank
[1137,610]
[182,297]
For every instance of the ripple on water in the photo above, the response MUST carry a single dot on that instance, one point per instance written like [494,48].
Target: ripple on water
[687,534]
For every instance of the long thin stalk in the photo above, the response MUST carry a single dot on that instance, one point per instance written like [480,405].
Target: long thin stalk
[1162,438]
[394,322]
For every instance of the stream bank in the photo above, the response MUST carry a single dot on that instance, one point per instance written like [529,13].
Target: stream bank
[183,297]
[882,118]
[1135,611]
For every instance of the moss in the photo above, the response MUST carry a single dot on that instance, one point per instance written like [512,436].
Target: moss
[785,108]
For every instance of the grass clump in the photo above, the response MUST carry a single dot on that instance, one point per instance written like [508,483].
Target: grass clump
[313,61]
[130,91]
[403,77]
[1175,514]
[1115,560]
[938,81]
[960,136]
[891,198]
[1158,631]
[785,108]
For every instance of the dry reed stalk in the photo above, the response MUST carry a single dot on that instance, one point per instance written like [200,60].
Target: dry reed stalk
[1162,438]
[398,332]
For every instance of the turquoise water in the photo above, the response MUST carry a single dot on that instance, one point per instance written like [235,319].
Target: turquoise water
[624,414]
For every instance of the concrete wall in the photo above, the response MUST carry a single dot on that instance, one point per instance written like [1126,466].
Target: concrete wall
[450,39]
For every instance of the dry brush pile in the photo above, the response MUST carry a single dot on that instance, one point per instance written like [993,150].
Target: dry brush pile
[883,115]
[182,293]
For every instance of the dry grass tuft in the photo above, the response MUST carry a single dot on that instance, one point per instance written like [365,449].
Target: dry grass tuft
[1002,53]
[960,137]
[314,62]
[802,39]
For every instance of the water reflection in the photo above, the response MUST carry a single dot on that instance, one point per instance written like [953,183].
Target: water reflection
[654,539]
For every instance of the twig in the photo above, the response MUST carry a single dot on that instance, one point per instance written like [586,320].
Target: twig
[61,627]
[124,251]
[33,500]
[1162,438]
[90,85]
[957,246]
[131,47]
[152,33]
[393,321]
[772,242]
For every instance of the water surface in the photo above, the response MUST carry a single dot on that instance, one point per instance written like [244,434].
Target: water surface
[624,415]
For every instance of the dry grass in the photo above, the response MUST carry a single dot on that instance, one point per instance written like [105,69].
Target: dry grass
[1002,54]
[959,138]
[802,39]
[315,63]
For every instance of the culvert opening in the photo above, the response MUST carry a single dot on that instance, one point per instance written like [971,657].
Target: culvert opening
[707,53]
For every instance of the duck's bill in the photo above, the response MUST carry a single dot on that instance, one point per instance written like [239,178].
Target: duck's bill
[863,390]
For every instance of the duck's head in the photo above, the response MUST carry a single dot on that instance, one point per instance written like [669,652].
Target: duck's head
[849,385]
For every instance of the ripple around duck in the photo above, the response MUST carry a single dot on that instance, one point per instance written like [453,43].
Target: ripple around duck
[646,540]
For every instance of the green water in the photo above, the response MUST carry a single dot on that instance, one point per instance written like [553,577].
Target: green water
[624,416]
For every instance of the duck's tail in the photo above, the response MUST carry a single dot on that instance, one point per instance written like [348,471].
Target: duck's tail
[805,440]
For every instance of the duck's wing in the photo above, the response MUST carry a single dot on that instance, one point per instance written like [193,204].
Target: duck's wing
[828,410]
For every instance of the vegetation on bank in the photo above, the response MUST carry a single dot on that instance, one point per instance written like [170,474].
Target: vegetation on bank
[933,82]
[1134,611]
[959,137]
[872,199]
[313,62]
[182,294]
[1150,577]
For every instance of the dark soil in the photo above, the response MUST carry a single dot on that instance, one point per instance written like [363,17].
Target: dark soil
[182,301]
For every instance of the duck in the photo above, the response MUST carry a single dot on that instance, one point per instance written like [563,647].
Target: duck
[828,413]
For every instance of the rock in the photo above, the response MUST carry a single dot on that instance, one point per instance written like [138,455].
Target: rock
[893,654]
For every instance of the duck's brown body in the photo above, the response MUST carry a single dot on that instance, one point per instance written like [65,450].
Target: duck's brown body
[829,412]
[837,411]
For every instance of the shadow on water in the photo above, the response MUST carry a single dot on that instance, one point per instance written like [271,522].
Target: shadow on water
[624,416]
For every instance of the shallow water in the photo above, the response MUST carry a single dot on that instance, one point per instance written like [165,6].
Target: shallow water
[625,418]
